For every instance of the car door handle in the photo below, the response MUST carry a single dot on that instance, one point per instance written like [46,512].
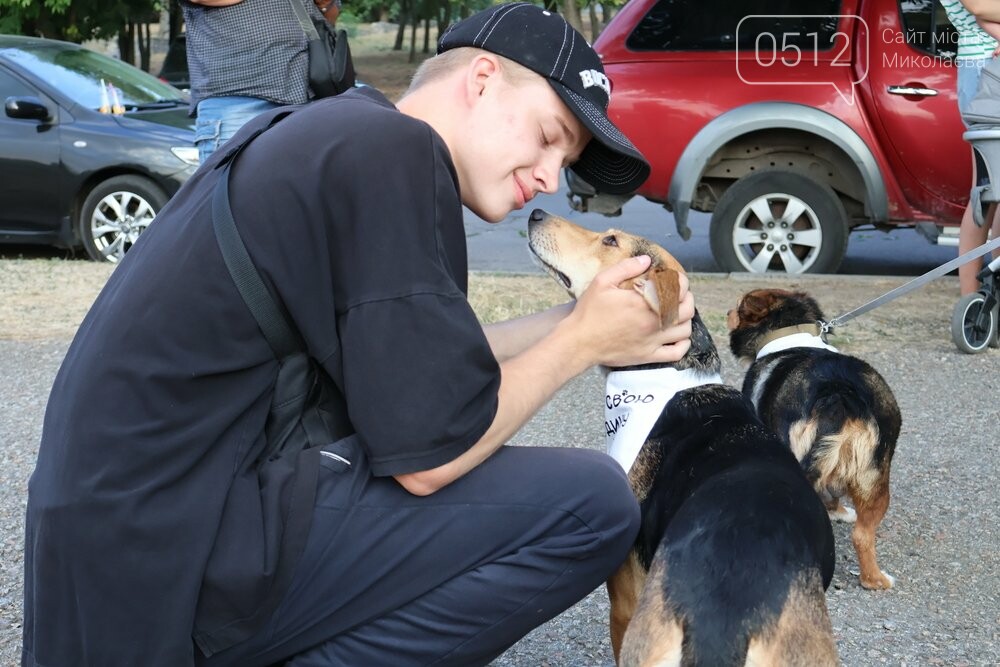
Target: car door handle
[910,90]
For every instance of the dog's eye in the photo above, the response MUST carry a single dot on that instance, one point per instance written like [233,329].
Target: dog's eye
[610,240]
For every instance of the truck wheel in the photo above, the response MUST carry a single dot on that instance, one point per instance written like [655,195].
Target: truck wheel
[779,221]
[115,212]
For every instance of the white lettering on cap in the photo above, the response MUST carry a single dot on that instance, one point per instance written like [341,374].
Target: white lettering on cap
[591,77]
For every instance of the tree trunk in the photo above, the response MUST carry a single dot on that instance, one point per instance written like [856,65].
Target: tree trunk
[145,39]
[126,43]
[572,14]
[176,21]
[595,25]
[427,35]
[404,20]
[551,6]
[444,18]
[413,38]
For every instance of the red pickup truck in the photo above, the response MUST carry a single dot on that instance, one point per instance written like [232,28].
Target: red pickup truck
[791,123]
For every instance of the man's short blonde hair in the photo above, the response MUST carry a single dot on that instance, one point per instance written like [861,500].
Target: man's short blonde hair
[445,63]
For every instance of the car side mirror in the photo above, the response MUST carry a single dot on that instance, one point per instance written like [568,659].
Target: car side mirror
[28,108]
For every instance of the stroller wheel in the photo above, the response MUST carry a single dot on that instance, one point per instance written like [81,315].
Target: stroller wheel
[973,327]
[995,338]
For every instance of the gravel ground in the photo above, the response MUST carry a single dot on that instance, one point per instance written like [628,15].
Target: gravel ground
[939,538]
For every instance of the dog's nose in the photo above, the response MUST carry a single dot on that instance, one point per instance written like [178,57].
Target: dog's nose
[537,215]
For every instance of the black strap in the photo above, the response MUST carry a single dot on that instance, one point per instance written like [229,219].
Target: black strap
[280,336]
[301,398]
[304,20]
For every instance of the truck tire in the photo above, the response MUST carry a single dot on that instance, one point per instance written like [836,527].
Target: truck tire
[779,221]
[115,212]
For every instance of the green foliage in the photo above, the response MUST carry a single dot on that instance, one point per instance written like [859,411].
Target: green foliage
[79,20]
[15,15]
[349,21]
[74,20]
[369,11]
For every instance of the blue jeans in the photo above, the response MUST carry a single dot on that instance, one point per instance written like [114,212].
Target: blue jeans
[219,118]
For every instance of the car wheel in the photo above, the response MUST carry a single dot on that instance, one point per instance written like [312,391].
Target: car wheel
[779,221]
[972,327]
[115,213]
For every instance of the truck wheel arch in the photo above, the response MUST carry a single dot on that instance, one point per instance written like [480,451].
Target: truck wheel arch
[731,126]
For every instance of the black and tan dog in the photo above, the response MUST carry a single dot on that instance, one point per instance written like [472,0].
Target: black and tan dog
[735,550]
[835,412]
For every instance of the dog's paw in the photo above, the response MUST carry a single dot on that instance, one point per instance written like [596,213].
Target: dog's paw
[883,581]
[843,514]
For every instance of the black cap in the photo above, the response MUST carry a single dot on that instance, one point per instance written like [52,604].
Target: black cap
[543,42]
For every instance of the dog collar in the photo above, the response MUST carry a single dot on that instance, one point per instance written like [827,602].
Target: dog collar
[800,335]
[633,402]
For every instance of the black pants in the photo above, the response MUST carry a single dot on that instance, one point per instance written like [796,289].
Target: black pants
[455,578]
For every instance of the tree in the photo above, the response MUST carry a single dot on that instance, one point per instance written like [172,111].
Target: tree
[75,20]
[403,19]
[48,18]
[175,17]
[608,10]
[411,13]
[571,12]
[79,20]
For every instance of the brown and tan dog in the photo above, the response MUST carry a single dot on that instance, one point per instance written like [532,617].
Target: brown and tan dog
[834,411]
[735,549]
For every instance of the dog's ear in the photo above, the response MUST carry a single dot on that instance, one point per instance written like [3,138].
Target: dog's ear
[755,305]
[661,288]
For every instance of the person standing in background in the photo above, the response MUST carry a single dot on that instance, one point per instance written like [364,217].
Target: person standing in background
[984,10]
[245,57]
[978,43]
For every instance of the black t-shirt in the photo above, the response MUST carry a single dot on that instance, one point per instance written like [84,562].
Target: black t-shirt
[351,213]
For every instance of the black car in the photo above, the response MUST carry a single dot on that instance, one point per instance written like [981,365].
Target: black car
[91,148]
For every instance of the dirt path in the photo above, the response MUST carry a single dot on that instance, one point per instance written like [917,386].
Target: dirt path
[45,299]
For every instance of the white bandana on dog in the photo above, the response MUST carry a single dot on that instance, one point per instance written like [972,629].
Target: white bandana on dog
[794,340]
[634,400]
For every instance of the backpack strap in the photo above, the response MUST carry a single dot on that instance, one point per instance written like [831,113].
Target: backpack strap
[279,334]
[307,412]
[303,18]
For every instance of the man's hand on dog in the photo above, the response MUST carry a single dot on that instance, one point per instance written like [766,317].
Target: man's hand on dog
[618,328]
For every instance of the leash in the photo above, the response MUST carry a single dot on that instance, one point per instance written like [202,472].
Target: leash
[908,287]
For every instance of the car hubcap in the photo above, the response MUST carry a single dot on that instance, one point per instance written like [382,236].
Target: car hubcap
[777,232]
[117,221]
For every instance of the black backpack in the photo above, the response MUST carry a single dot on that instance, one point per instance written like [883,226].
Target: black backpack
[331,69]
[277,484]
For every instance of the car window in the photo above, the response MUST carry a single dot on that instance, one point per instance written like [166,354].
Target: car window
[927,27]
[79,73]
[722,25]
[11,86]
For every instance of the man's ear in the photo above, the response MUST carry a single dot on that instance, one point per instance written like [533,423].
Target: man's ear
[483,67]
[661,288]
